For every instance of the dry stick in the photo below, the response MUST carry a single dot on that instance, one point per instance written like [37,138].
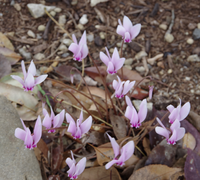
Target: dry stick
[80,93]
[89,92]
[83,67]
[106,89]
[58,24]
[121,57]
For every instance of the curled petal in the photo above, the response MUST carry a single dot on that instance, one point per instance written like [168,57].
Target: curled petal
[128,150]
[173,138]
[81,117]
[104,58]
[115,146]
[19,79]
[20,134]
[28,139]
[80,166]
[135,30]
[32,69]
[86,125]
[185,111]
[170,108]
[40,79]
[162,131]
[142,111]
[108,165]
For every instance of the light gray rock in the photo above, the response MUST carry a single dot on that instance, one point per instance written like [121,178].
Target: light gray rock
[39,56]
[83,20]
[62,20]
[196,34]
[37,10]
[26,55]
[16,162]
[193,58]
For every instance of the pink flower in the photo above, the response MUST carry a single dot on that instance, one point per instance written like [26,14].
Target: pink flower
[53,121]
[30,141]
[79,128]
[80,50]
[150,91]
[114,63]
[127,30]
[75,169]
[179,113]
[29,82]
[176,131]
[122,88]
[136,118]
[121,154]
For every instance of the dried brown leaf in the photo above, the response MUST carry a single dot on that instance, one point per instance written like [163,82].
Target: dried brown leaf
[189,141]
[158,172]
[5,42]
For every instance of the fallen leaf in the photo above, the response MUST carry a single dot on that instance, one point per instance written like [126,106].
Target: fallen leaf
[18,95]
[119,125]
[95,138]
[158,172]
[99,173]
[189,141]
[5,42]
[12,57]
[146,145]
[5,67]
[192,166]
[194,119]
[57,157]
[139,93]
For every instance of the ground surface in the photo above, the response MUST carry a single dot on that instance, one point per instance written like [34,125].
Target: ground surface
[176,77]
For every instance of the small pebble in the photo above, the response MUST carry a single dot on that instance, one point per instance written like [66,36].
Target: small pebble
[1,14]
[98,41]
[169,71]
[163,26]
[102,35]
[62,20]
[74,2]
[162,72]
[140,69]
[192,26]
[90,37]
[80,26]
[31,33]
[196,34]
[190,41]
[111,50]
[64,55]
[187,78]
[67,42]
[161,64]
[129,61]
[41,28]
[83,20]
[53,13]
[128,67]
[169,38]
[26,55]
[140,55]
[192,91]
[193,58]
[62,48]
[57,10]
[198,25]
[17,6]
[39,56]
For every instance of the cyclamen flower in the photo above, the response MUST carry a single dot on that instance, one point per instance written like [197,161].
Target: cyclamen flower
[80,50]
[121,154]
[176,131]
[150,91]
[179,113]
[30,141]
[79,128]
[127,30]
[136,118]
[114,63]
[29,82]
[75,169]
[52,121]
[122,88]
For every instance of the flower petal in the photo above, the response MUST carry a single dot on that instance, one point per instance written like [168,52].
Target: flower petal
[128,101]
[162,131]
[86,125]
[47,122]
[175,125]
[84,51]
[23,69]
[83,39]
[108,165]
[81,117]
[121,30]
[80,166]
[74,48]
[72,126]
[29,82]
[142,111]
[40,79]
[71,171]
[119,63]
[128,150]
[104,58]
[185,111]
[135,30]
[115,56]
[32,69]
[37,131]
[114,144]
[111,69]
[18,79]
[127,24]
[20,134]
[170,108]
[180,133]
[74,39]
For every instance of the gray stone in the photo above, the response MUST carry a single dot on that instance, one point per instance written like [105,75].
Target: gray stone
[193,58]
[196,34]
[37,10]
[16,162]
[26,55]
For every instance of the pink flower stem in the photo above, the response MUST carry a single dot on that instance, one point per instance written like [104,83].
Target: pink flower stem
[106,89]
[89,91]
[121,57]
